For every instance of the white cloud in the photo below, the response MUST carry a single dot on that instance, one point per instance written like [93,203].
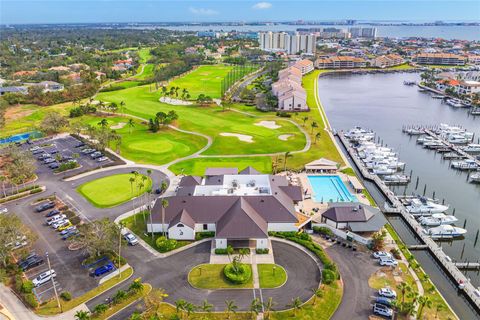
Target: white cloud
[262,6]
[203,11]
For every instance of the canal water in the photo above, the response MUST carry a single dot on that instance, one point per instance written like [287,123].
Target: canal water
[382,103]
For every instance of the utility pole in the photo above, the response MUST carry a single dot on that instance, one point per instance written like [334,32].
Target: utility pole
[53,282]
[119,247]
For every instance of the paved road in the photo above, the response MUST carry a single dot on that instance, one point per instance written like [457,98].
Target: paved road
[355,268]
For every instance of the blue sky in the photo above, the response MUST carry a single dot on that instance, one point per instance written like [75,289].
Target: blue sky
[58,11]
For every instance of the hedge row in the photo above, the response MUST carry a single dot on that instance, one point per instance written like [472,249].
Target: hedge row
[305,240]
[18,196]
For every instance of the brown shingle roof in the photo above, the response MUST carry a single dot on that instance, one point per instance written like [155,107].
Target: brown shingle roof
[183,217]
[188,181]
[220,171]
[241,221]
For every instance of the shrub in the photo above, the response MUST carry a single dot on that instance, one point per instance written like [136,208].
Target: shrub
[165,245]
[262,251]
[119,296]
[204,235]
[221,251]
[65,295]
[396,253]
[242,276]
[328,276]
[323,230]
[30,300]
[27,286]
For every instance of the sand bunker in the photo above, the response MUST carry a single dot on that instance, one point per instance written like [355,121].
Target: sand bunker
[175,102]
[241,137]
[268,124]
[285,137]
[120,125]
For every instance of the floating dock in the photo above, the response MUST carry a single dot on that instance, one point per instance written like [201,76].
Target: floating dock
[397,207]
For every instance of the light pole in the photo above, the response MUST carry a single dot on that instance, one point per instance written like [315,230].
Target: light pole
[53,282]
[119,247]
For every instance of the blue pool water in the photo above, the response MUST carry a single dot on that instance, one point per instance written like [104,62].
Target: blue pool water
[330,189]
[20,137]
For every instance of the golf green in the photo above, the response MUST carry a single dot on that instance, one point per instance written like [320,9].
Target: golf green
[112,190]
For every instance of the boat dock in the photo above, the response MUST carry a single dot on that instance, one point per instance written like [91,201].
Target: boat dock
[396,206]
[468,265]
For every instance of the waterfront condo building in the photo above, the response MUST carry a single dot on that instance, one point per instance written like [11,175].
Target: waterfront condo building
[290,43]
[340,62]
[446,59]
[388,60]
[363,32]
[236,206]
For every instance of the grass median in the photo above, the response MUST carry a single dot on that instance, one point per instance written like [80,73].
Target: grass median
[211,276]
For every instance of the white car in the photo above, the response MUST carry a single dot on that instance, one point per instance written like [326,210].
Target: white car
[382,310]
[60,223]
[3,209]
[55,218]
[131,239]
[44,277]
[388,262]
[102,159]
[387,293]
[381,254]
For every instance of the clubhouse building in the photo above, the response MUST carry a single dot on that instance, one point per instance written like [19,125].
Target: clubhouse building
[240,207]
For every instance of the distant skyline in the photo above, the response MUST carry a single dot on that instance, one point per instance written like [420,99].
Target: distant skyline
[97,11]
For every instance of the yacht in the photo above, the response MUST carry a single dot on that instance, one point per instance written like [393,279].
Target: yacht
[383,171]
[390,164]
[467,164]
[358,132]
[437,219]
[475,178]
[458,139]
[396,179]
[433,144]
[424,139]
[455,103]
[422,206]
[445,232]
[438,96]
[472,148]
[413,131]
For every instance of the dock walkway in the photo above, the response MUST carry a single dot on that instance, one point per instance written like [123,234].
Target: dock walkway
[397,206]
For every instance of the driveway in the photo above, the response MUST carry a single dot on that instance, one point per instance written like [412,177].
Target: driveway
[356,268]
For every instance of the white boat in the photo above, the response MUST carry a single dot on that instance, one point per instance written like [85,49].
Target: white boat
[422,140]
[396,179]
[445,232]
[472,148]
[413,131]
[467,164]
[383,170]
[437,219]
[438,97]
[455,103]
[458,139]
[475,178]
[422,206]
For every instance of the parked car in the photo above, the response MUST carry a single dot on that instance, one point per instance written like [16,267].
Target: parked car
[96,155]
[48,160]
[63,232]
[68,224]
[3,209]
[44,277]
[385,301]
[66,158]
[103,269]
[58,223]
[45,206]
[381,254]
[55,218]
[102,159]
[35,148]
[70,234]
[31,255]
[88,151]
[382,310]
[31,263]
[387,293]
[43,156]
[52,213]
[53,165]
[131,239]
[53,151]
[388,262]
[80,144]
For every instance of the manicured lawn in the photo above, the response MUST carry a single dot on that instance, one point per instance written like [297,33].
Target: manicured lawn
[50,308]
[323,309]
[168,312]
[210,276]
[213,121]
[111,190]
[205,79]
[270,277]
[197,166]
[143,146]
[144,55]
[147,71]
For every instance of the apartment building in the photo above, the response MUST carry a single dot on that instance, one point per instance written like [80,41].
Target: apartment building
[468,87]
[446,59]
[290,43]
[305,66]
[388,60]
[340,62]
[363,32]
[288,89]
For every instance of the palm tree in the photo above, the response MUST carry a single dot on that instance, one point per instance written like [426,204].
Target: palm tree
[122,104]
[295,305]
[423,301]
[230,307]
[206,307]
[255,307]
[317,136]
[439,308]
[317,293]
[180,306]
[414,296]
[82,315]
[136,286]
[404,288]
[314,125]
[164,205]
[132,180]
[268,307]
[164,91]
[131,124]
[305,119]
[286,156]
[100,308]
[3,179]
[189,308]
[141,185]
[103,123]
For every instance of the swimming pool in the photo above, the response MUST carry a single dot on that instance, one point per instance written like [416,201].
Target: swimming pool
[330,189]
[20,137]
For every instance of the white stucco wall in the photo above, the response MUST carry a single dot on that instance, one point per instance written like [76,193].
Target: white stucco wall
[157,227]
[282,227]
[181,233]
[199,227]
[262,243]
[220,243]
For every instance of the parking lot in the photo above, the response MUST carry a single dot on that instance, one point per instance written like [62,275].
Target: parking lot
[64,149]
